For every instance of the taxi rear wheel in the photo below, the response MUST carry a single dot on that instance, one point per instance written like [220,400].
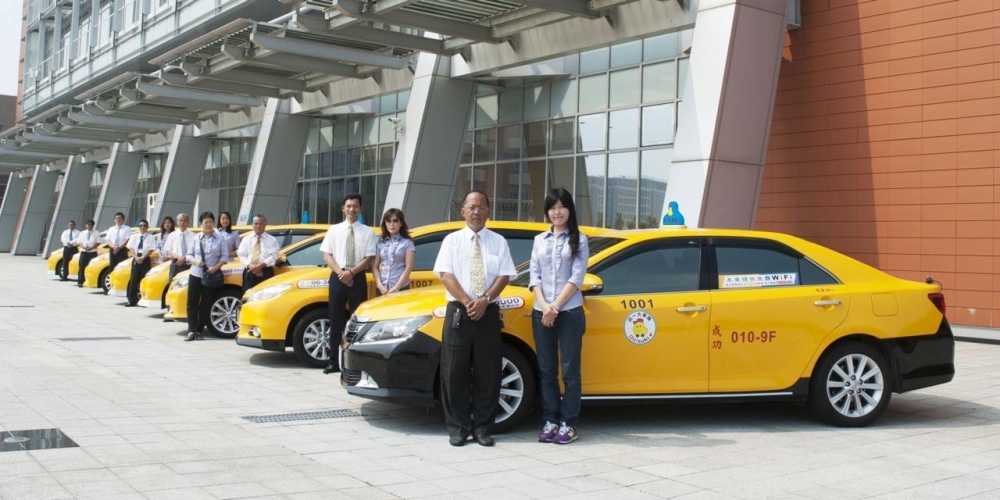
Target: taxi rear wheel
[852,385]
[59,267]
[224,316]
[517,389]
[311,339]
[105,280]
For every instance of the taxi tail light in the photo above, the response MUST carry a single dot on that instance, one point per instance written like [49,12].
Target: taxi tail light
[938,300]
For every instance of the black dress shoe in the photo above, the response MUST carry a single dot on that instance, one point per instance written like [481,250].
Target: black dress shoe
[458,440]
[331,369]
[483,437]
[131,305]
[190,336]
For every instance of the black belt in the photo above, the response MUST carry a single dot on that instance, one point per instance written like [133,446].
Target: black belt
[459,304]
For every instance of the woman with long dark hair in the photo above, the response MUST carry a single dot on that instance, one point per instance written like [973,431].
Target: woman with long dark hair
[226,230]
[558,264]
[166,227]
[394,254]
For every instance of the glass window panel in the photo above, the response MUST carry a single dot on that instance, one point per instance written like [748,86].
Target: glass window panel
[387,103]
[382,190]
[404,100]
[658,124]
[660,47]
[508,192]
[626,54]
[536,102]
[589,193]
[386,130]
[472,120]
[682,69]
[622,190]
[594,60]
[483,179]
[659,82]
[623,129]
[463,183]
[385,158]
[244,174]
[322,215]
[370,132]
[534,139]
[353,161]
[353,185]
[486,145]
[339,163]
[511,144]
[532,191]
[312,142]
[594,93]
[354,134]
[626,85]
[368,198]
[560,173]
[563,98]
[510,106]
[466,157]
[308,199]
[561,136]
[337,194]
[486,110]
[340,135]
[593,132]
[653,185]
[325,164]
[326,135]
[216,178]
[369,156]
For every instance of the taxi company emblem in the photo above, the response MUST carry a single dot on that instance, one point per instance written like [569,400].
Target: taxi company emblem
[314,283]
[511,303]
[640,327]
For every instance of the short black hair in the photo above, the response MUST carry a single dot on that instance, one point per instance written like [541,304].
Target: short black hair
[206,215]
[353,196]
[119,213]
[260,216]
[475,191]
[90,221]
[144,221]
[72,222]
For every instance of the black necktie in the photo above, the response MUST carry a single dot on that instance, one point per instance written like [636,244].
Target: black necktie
[140,242]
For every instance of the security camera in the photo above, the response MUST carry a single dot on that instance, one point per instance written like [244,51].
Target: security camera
[395,120]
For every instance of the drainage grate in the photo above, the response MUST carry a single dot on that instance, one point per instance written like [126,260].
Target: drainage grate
[309,415]
[18,306]
[36,439]
[81,339]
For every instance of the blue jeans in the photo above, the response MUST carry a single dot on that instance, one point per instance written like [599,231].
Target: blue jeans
[560,344]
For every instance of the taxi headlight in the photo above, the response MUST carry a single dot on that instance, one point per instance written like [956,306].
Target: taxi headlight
[393,330]
[156,270]
[269,292]
[180,283]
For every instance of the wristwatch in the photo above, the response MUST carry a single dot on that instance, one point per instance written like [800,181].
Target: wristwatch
[489,300]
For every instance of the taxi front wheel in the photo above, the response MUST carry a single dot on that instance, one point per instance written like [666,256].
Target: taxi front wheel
[851,386]
[517,389]
[105,280]
[311,339]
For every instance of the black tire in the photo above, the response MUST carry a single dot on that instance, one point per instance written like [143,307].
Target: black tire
[104,280]
[59,268]
[840,396]
[518,395]
[311,339]
[224,315]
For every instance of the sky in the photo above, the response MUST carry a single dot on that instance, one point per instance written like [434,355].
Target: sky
[10,45]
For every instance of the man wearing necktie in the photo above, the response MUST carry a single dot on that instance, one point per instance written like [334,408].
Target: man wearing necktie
[474,265]
[348,250]
[69,237]
[117,238]
[140,245]
[88,242]
[258,252]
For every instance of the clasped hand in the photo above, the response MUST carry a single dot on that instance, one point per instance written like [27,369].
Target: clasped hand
[476,308]
[549,315]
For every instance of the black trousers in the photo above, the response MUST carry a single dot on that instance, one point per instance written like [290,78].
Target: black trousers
[470,369]
[200,299]
[344,300]
[177,266]
[115,258]
[138,273]
[251,280]
[85,258]
[68,253]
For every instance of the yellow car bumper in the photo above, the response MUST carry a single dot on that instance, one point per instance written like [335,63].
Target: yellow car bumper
[153,285]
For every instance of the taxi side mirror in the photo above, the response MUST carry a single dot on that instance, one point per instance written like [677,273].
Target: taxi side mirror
[592,285]
[282,260]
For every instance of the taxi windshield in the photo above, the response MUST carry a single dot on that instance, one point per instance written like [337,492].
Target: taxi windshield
[597,244]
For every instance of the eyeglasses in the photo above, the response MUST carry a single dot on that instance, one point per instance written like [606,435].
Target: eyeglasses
[392,221]
[143,225]
[476,209]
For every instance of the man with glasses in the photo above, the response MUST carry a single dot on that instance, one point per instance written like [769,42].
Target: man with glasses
[474,265]
[258,253]
[140,245]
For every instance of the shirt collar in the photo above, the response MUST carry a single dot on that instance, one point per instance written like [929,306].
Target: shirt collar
[468,233]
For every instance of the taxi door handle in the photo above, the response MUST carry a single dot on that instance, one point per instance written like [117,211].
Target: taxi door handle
[826,303]
[691,309]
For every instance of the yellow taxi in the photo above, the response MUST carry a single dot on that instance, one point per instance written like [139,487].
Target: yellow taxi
[97,272]
[291,310]
[690,315]
[55,260]
[225,312]
[154,287]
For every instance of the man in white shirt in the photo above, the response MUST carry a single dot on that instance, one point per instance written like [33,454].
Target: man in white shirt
[68,239]
[88,241]
[348,250]
[117,239]
[179,244]
[474,265]
[258,253]
[140,245]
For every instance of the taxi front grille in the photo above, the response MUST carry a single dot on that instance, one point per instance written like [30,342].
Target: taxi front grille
[354,329]
[351,377]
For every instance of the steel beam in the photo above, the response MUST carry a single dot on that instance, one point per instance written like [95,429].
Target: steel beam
[29,155]
[393,39]
[352,9]
[51,130]
[148,110]
[131,113]
[113,123]
[197,95]
[327,52]
[232,87]
[242,76]
[578,8]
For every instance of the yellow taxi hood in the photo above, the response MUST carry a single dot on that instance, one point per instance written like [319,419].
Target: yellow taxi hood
[408,304]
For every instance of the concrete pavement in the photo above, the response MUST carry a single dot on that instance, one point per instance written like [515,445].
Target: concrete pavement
[155,417]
